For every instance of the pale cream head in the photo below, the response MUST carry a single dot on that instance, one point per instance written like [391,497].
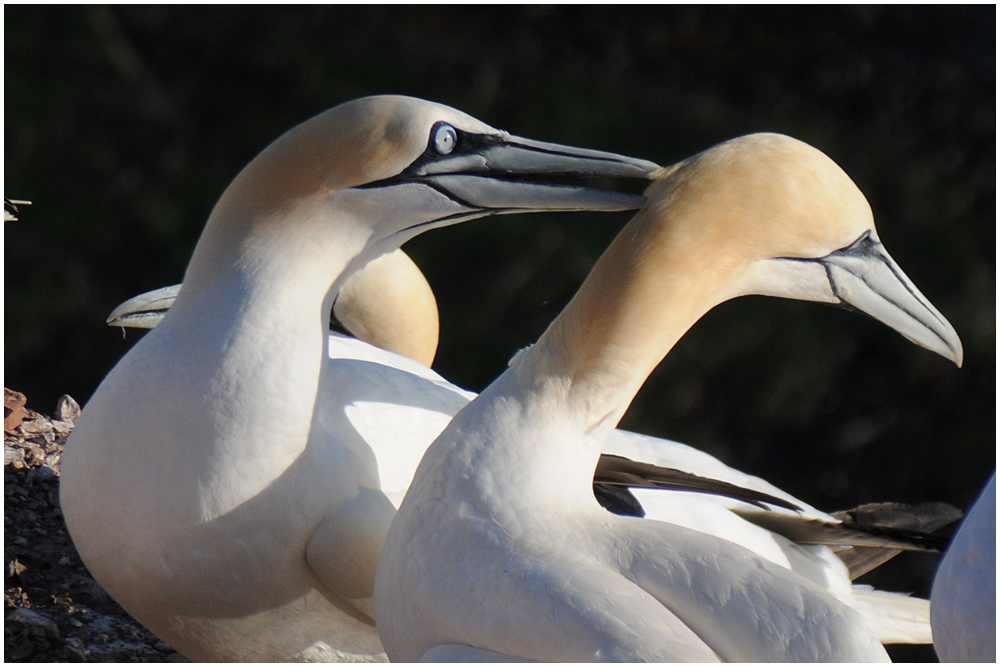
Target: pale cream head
[758,197]
[353,144]
[768,214]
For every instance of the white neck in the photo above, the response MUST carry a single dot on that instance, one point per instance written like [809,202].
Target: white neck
[249,331]
[539,429]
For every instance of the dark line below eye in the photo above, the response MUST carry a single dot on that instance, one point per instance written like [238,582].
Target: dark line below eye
[467,143]
[847,249]
[551,179]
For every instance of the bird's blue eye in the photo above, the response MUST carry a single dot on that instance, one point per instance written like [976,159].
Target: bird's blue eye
[445,138]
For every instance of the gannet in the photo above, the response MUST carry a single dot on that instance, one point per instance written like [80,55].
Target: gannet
[964,595]
[204,484]
[499,552]
[390,305]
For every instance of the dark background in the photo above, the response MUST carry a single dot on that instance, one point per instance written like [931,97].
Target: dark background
[124,125]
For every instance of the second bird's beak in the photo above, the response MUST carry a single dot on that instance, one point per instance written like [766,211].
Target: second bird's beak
[862,276]
[865,277]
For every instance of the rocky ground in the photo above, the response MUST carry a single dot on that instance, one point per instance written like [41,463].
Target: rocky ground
[55,610]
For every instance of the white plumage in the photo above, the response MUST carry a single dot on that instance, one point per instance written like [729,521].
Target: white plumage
[397,407]
[499,550]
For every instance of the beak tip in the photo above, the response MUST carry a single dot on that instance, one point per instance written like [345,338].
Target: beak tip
[951,350]
[949,347]
[956,348]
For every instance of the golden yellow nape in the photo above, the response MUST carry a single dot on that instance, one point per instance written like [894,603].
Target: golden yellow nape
[390,305]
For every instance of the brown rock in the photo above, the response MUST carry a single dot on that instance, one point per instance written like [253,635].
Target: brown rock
[13,409]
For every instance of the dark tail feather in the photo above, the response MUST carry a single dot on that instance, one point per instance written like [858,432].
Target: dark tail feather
[613,470]
[868,535]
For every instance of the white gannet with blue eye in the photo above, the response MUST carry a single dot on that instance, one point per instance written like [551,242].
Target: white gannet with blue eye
[206,485]
[964,596]
[499,550]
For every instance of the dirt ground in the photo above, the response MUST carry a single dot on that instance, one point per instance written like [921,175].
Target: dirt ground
[55,610]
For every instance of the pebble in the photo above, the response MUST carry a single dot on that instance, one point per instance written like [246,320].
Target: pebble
[39,623]
[75,646]
[44,474]
[67,410]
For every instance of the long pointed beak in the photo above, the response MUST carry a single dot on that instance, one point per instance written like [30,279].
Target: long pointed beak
[146,310]
[864,276]
[494,174]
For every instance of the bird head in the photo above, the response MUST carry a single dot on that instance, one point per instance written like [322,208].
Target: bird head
[400,165]
[775,216]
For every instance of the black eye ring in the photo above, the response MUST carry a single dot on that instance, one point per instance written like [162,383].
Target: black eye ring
[444,138]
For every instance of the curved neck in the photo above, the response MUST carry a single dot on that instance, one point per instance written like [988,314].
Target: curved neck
[247,338]
[651,285]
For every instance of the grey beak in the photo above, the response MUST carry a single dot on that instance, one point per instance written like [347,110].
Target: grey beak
[494,174]
[864,276]
[525,175]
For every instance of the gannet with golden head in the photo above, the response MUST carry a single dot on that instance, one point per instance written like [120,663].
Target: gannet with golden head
[203,485]
[499,550]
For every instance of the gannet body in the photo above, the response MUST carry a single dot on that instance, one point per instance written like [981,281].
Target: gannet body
[499,551]
[397,408]
[204,485]
[964,596]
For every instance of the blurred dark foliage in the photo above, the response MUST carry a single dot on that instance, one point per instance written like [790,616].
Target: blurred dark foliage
[124,125]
